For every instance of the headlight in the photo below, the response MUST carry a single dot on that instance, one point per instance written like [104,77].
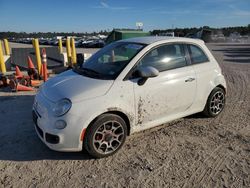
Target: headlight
[61,107]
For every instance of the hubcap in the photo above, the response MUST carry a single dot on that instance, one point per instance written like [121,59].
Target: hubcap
[108,137]
[217,102]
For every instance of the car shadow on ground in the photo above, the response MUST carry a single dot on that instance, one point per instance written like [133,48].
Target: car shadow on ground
[19,141]
[199,115]
[241,54]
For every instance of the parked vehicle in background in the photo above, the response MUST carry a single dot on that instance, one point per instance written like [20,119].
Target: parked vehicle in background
[103,37]
[54,42]
[85,43]
[128,86]
[78,42]
[91,43]
[95,44]
[25,40]
[45,41]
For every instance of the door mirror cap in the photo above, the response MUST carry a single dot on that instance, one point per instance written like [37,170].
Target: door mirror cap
[147,72]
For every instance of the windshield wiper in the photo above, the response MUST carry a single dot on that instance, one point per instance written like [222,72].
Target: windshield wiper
[90,71]
[87,71]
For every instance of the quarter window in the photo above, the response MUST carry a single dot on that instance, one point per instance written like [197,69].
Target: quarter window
[197,55]
[165,57]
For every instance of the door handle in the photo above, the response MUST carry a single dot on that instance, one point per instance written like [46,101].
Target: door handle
[189,79]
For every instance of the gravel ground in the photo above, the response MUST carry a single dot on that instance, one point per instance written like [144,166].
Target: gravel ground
[189,152]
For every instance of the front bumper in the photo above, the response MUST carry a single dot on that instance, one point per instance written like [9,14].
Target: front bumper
[67,139]
[49,138]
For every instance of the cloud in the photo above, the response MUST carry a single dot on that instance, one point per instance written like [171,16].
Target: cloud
[173,12]
[241,13]
[104,5]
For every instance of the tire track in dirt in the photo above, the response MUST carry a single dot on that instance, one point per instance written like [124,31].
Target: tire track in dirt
[238,91]
[221,156]
[159,169]
[208,168]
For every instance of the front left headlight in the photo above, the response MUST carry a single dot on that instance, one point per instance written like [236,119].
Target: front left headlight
[61,107]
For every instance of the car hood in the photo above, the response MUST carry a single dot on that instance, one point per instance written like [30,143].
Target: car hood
[75,87]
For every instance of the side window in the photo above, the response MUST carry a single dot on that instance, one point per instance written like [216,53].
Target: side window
[197,55]
[165,57]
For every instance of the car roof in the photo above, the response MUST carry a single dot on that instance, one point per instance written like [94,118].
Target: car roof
[154,39]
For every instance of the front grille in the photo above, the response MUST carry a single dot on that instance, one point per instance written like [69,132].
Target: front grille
[53,139]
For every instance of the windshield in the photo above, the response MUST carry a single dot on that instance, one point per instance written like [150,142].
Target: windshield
[111,60]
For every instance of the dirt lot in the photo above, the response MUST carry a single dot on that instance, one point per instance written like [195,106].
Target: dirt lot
[190,152]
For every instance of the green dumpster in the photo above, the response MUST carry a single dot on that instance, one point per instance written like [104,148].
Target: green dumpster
[116,35]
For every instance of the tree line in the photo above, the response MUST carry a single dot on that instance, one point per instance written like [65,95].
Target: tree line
[243,30]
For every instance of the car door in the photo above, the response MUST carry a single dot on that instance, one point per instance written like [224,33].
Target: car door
[204,69]
[171,92]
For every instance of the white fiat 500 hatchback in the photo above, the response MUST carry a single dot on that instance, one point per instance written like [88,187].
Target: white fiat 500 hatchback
[128,86]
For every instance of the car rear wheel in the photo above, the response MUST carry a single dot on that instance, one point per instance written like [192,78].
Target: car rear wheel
[215,103]
[105,136]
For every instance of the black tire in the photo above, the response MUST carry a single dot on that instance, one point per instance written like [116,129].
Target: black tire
[101,140]
[219,105]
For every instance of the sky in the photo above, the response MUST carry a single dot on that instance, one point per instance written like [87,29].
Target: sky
[96,15]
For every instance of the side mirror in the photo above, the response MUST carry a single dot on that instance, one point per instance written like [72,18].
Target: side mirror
[146,72]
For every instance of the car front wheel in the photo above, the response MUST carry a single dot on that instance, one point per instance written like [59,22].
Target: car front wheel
[105,136]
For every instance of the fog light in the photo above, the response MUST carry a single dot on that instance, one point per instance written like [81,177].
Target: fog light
[60,124]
